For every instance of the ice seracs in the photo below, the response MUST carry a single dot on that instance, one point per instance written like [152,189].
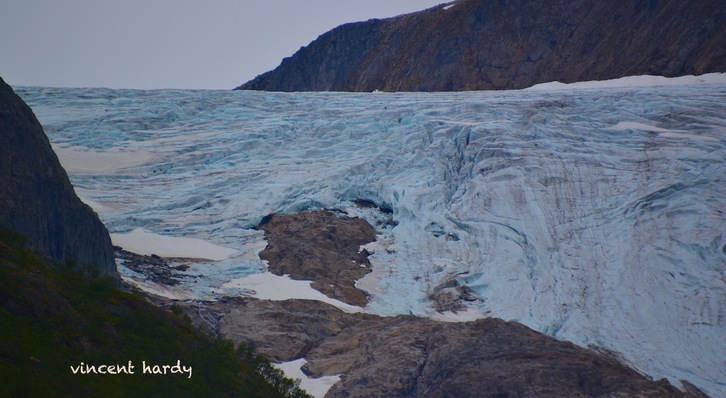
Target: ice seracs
[268,286]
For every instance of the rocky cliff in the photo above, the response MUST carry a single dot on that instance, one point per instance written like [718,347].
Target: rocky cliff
[509,44]
[37,199]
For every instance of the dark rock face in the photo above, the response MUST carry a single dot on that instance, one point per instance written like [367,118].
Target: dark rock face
[407,356]
[320,246]
[36,196]
[509,44]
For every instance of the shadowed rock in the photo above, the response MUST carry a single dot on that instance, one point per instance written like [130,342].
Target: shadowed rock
[36,196]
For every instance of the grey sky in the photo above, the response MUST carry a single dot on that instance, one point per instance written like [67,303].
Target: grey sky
[215,44]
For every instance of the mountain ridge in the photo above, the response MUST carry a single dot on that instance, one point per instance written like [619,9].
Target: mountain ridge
[498,44]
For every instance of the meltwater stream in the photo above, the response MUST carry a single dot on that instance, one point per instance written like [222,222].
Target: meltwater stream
[592,215]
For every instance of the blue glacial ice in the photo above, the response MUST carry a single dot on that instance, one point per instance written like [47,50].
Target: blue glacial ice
[593,215]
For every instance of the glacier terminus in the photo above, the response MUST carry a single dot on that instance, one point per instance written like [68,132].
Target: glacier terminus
[594,215]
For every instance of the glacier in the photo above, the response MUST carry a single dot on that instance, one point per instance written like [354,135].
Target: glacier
[592,215]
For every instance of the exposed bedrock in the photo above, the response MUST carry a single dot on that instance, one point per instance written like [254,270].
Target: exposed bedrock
[408,356]
[320,246]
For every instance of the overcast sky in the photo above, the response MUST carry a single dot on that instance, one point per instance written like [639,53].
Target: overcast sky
[214,44]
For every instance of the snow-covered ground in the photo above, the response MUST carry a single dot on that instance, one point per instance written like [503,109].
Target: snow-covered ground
[146,243]
[637,81]
[595,215]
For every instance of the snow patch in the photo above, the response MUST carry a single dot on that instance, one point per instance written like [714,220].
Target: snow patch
[315,387]
[146,243]
[89,161]
[636,81]
[268,286]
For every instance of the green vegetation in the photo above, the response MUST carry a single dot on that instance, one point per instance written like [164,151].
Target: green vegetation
[52,319]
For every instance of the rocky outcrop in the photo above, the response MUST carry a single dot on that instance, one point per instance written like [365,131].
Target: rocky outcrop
[509,44]
[407,356]
[281,330]
[451,296]
[37,199]
[164,271]
[322,247]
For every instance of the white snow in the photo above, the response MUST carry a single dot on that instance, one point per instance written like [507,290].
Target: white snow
[147,243]
[593,215]
[83,160]
[315,387]
[636,81]
[268,286]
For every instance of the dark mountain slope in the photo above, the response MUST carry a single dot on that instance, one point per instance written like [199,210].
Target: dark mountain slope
[53,320]
[37,198]
[509,44]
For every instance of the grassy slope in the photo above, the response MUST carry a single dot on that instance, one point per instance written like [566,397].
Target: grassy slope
[51,319]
